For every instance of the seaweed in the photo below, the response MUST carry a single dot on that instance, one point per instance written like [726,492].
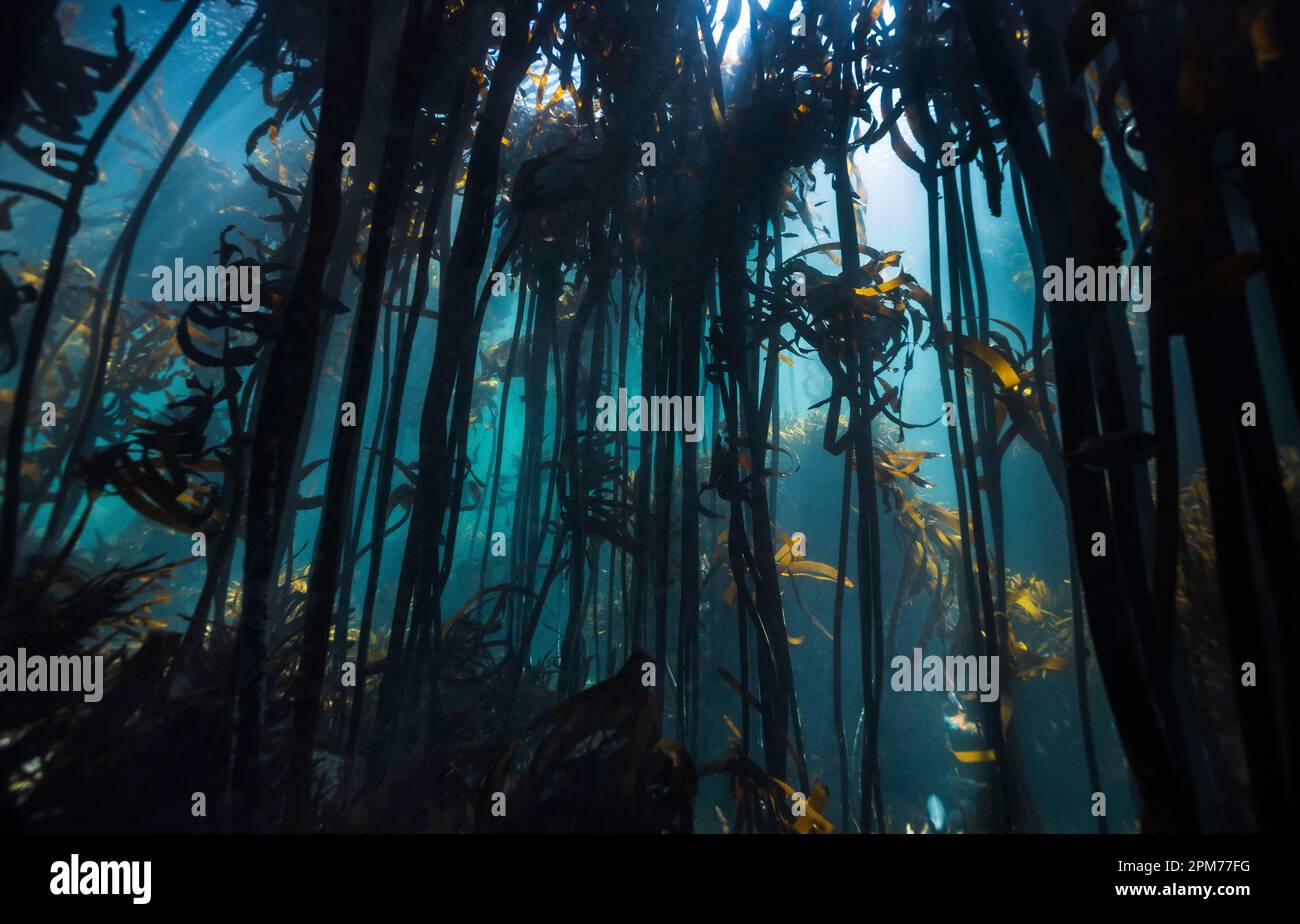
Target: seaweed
[368,556]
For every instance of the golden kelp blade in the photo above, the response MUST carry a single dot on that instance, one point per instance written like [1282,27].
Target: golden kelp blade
[813,569]
[991,358]
[975,757]
[812,821]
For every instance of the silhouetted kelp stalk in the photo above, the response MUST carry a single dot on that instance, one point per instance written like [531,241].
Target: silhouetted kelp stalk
[420,28]
[449,147]
[1154,771]
[417,622]
[1248,507]
[1103,585]
[279,417]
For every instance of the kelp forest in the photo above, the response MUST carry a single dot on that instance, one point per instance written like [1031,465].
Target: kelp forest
[691,416]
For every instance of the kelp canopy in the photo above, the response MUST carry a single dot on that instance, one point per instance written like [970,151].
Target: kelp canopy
[359,552]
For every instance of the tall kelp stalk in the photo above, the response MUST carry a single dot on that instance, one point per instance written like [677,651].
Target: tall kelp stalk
[1254,536]
[420,30]
[626,178]
[279,418]
[448,149]
[418,619]
[1134,652]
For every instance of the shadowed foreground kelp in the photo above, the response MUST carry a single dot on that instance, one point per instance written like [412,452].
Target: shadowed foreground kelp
[365,554]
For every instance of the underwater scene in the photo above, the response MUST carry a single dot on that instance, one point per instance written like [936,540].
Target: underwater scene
[642,416]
